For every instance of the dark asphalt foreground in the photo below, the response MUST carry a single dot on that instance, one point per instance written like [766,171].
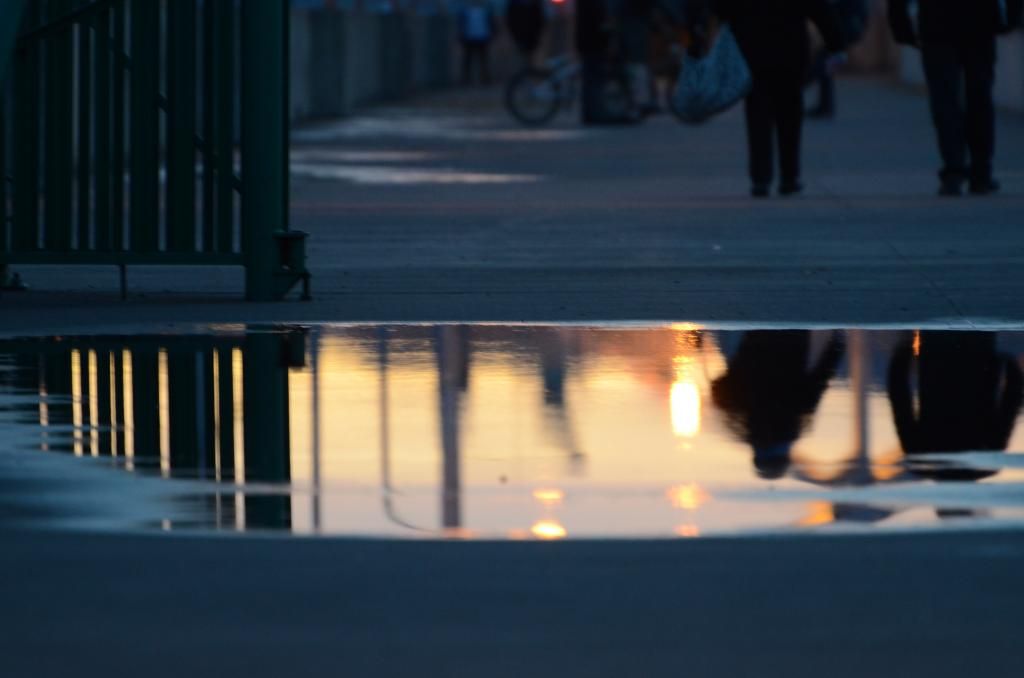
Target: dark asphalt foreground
[931,606]
[650,223]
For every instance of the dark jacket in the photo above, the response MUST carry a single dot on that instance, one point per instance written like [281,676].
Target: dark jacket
[854,16]
[592,38]
[526,20]
[773,33]
[953,20]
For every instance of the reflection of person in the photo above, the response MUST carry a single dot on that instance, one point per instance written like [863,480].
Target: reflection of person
[774,39]
[967,398]
[771,391]
[554,363]
[958,50]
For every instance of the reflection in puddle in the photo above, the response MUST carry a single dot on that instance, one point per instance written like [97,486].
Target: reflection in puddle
[527,432]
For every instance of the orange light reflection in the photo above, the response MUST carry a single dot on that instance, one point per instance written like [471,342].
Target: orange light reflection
[548,530]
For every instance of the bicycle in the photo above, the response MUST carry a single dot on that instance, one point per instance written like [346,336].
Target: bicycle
[534,96]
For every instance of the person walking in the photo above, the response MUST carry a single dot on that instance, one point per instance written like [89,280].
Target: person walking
[477,28]
[957,39]
[526,21]
[593,24]
[774,39]
[854,16]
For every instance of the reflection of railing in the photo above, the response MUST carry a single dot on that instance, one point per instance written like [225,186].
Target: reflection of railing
[122,134]
[211,407]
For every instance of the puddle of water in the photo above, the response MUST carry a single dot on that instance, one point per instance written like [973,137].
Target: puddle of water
[519,432]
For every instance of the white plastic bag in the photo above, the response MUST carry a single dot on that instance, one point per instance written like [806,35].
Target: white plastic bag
[714,83]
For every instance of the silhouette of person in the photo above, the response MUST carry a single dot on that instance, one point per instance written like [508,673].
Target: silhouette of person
[967,398]
[774,39]
[771,391]
[957,39]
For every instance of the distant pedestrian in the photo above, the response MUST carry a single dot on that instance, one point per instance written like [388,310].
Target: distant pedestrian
[594,32]
[957,39]
[774,38]
[478,27]
[526,20]
[854,16]
[635,20]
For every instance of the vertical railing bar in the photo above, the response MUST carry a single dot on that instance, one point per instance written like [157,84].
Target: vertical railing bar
[84,154]
[181,126]
[57,208]
[286,123]
[225,137]
[4,224]
[27,92]
[102,219]
[118,127]
[209,124]
[145,126]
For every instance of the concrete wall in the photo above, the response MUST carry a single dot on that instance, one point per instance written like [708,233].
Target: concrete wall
[343,60]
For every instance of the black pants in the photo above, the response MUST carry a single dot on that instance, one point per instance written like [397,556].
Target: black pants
[476,53]
[823,78]
[960,82]
[775,112]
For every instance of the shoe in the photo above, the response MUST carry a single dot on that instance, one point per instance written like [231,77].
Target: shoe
[951,189]
[760,191]
[985,187]
[789,188]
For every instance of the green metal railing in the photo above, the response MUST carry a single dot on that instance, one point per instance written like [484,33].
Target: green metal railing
[119,139]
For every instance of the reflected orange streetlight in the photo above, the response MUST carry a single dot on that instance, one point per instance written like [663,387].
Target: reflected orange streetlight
[690,496]
[548,530]
[549,496]
[818,513]
[687,531]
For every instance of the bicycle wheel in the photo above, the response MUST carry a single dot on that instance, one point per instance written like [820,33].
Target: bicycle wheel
[533,97]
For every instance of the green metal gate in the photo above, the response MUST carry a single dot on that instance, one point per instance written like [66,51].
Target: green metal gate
[120,131]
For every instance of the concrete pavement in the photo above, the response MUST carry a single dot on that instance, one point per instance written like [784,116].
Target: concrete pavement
[445,210]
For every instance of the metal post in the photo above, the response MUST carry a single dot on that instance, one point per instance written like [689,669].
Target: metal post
[9,32]
[264,141]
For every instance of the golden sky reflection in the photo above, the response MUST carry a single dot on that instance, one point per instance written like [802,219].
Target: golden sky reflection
[525,432]
[603,456]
